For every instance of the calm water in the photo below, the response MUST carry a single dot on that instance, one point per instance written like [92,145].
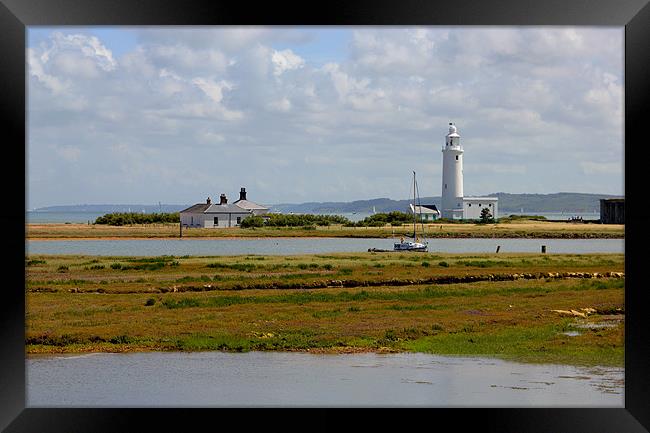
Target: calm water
[194,247]
[299,379]
[61,217]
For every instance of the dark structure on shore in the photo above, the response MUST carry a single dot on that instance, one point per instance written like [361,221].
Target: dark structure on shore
[612,211]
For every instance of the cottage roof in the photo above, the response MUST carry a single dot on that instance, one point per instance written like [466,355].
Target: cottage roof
[425,208]
[247,204]
[197,208]
[225,208]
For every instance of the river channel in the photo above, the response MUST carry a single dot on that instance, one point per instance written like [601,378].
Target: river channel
[261,379]
[209,247]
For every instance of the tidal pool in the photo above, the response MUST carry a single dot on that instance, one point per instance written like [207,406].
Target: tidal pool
[268,379]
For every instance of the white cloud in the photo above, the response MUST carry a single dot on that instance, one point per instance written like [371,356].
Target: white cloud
[212,89]
[89,46]
[36,69]
[184,59]
[286,60]
[282,105]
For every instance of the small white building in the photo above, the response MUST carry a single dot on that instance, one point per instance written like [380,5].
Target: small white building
[429,212]
[454,204]
[473,206]
[224,214]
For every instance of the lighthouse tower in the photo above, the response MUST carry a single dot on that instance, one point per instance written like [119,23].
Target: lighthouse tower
[452,175]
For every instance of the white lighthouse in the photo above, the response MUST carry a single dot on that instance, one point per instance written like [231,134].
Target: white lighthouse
[452,175]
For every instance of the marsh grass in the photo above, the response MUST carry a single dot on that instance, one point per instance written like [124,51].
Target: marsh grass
[523,344]
[420,294]
[438,318]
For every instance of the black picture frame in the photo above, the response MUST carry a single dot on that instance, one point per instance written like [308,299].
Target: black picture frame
[16,15]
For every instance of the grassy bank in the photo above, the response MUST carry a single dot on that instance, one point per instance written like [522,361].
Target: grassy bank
[114,304]
[512,229]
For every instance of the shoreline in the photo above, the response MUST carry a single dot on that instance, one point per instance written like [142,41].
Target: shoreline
[324,351]
[526,229]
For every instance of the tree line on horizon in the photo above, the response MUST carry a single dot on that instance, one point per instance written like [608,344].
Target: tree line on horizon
[394,218]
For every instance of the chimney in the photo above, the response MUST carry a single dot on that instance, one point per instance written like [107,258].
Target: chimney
[242,193]
[223,199]
[208,201]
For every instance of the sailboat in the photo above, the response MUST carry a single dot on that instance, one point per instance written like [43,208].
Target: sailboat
[413,245]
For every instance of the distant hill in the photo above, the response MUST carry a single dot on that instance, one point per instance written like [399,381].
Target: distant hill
[558,202]
[108,208]
[530,203]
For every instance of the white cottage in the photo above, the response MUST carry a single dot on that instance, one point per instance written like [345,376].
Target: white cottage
[429,212]
[473,206]
[224,214]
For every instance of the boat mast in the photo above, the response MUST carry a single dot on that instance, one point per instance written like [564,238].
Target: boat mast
[415,239]
[417,190]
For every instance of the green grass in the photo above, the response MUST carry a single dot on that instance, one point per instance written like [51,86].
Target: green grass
[522,344]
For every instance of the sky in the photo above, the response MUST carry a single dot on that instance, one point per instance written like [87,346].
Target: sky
[142,115]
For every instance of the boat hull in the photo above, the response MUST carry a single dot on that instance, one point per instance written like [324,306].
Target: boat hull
[409,246]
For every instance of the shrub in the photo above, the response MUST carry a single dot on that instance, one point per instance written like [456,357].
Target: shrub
[150,302]
[394,218]
[522,217]
[123,218]
[443,264]
[35,262]
[62,268]
[486,216]
[306,221]
[121,339]
[116,265]
[93,267]
[252,221]
[426,264]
